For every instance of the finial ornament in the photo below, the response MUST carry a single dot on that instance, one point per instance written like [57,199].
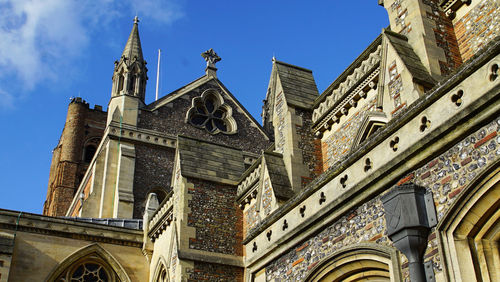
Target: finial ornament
[211,57]
[136,19]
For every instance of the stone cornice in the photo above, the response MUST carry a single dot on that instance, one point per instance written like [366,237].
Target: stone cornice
[127,132]
[53,226]
[350,83]
[162,218]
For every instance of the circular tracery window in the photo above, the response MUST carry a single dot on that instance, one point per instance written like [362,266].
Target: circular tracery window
[210,113]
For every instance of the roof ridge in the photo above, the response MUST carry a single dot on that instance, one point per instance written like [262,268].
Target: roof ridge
[292,66]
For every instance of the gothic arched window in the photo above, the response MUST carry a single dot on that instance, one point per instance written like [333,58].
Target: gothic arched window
[89,152]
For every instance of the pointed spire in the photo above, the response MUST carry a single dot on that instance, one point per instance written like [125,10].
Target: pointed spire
[133,47]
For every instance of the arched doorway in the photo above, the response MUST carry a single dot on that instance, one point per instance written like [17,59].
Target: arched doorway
[361,262]
[470,230]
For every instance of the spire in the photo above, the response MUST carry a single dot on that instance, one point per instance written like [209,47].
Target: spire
[133,47]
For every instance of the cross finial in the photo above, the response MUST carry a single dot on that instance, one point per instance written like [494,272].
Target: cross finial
[136,19]
[211,57]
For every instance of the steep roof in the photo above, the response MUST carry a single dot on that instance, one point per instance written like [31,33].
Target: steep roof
[298,84]
[210,161]
[133,47]
[410,58]
[278,175]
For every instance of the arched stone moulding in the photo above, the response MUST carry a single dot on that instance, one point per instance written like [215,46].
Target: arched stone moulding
[469,232]
[355,261]
[81,254]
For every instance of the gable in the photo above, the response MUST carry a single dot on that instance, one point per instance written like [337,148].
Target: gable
[205,109]
[403,77]
[297,83]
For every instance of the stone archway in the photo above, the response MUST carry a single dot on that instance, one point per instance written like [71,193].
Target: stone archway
[361,262]
[470,231]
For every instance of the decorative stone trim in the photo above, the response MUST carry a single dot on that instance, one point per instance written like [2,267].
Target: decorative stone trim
[245,192]
[126,132]
[451,6]
[162,218]
[350,84]
[339,105]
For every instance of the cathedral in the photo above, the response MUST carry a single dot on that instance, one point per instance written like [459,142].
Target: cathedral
[390,174]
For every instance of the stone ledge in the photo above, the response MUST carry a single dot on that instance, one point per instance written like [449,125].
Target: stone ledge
[63,227]
[211,257]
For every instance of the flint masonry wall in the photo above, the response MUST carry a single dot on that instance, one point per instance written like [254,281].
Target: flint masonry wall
[203,271]
[216,217]
[477,27]
[153,170]
[445,175]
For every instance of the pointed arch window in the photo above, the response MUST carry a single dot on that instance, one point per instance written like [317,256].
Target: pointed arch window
[121,80]
[91,263]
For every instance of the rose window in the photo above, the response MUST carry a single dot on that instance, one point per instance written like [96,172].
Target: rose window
[210,113]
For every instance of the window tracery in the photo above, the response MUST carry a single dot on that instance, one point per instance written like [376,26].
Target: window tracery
[209,112]
[87,271]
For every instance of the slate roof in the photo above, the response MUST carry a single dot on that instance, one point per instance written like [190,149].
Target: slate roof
[133,47]
[410,58]
[298,84]
[278,175]
[210,161]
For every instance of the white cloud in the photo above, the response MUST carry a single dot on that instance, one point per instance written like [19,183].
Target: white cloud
[40,38]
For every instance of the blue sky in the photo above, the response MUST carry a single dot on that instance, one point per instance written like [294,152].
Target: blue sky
[52,50]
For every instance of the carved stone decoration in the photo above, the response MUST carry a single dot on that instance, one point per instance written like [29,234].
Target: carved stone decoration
[209,112]
[211,58]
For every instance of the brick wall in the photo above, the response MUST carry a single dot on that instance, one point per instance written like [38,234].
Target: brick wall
[476,28]
[216,217]
[446,176]
[153,170]
[203,271]
[82,125]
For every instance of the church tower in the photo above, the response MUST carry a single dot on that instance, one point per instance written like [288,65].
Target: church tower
[129,81]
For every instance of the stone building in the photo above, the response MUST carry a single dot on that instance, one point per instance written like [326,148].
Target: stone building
[390,174]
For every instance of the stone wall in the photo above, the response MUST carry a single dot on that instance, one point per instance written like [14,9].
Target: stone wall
[203,271]
[280,121]
[170,119]
[153,170]
[251,218]
[310,146]
[446,176]
[216,217]
[476,28]
[445,37]
[337,144]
